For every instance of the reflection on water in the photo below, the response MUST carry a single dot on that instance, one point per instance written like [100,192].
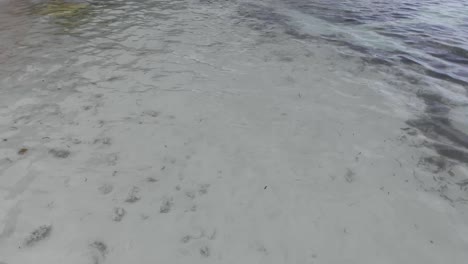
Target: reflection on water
[421,42]
[428,37]
[430,34]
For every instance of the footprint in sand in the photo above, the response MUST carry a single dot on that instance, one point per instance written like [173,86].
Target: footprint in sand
[166,205]
[98,251]
[203,189]
[60,153]
[119,214]
[133,196]
[105,188]
[205,251]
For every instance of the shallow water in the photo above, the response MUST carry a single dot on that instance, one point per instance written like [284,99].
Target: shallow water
[420,42]
[429,34]
[277,131]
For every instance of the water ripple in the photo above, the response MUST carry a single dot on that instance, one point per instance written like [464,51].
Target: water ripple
[435,33]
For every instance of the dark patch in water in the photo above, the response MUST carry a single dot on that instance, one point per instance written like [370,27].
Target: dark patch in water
[39,234]
[377,60]
[22,151]
[445,76]
[151,179]
[436,122]
[452,152]
[338,40]
[269,22]
[261,17]
[60,153]
[451,142]
[434,164]
[298,35]
[352,12]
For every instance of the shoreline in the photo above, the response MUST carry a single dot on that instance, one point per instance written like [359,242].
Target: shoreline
[184,136]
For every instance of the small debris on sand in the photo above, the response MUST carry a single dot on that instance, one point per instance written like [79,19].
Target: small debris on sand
[22,151]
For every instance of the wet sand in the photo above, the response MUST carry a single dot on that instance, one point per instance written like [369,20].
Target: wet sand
[202,131]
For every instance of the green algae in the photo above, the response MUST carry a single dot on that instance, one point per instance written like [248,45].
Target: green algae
[68,15]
